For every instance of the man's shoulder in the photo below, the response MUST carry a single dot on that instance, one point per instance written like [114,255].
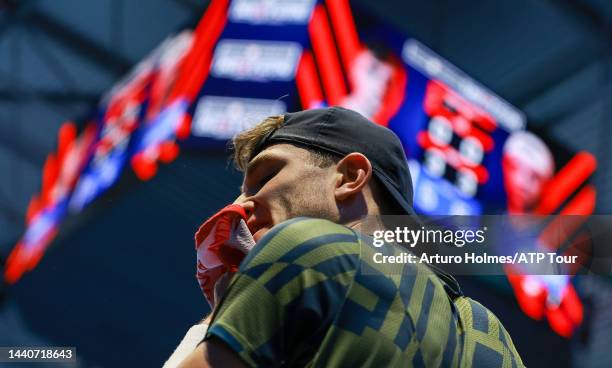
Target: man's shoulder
[300,229]
[485,337]
[303,237]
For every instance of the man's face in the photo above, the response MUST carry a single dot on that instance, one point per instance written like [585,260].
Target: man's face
[283,182]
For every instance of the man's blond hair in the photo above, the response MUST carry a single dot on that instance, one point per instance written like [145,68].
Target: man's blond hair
[245,143]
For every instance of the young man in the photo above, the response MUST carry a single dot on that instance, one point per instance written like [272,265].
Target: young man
[309,293]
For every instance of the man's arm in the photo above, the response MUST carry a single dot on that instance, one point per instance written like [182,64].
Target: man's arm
[212,353]
[188,344]
[196,333]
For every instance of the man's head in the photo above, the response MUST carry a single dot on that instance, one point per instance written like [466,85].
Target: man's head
[309,164]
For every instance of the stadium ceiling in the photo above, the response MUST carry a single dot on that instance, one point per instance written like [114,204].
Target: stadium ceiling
[550,58]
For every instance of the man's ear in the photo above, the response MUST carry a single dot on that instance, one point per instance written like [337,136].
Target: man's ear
[354,172]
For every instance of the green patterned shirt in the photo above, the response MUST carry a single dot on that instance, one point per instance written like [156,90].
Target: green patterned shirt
[310,294]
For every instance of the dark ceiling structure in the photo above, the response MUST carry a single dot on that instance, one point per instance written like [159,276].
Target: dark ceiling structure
[552,59]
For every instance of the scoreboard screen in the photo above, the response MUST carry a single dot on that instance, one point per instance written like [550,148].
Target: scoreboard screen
[278,56]
[454,131]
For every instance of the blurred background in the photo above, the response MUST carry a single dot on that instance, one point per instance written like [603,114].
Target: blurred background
[115,117]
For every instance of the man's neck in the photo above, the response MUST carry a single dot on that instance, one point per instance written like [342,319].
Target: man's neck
[366,225]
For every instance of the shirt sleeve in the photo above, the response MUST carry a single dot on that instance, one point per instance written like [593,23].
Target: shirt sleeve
[287,292]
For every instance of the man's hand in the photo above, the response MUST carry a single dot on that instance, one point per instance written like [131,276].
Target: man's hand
[222,242]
